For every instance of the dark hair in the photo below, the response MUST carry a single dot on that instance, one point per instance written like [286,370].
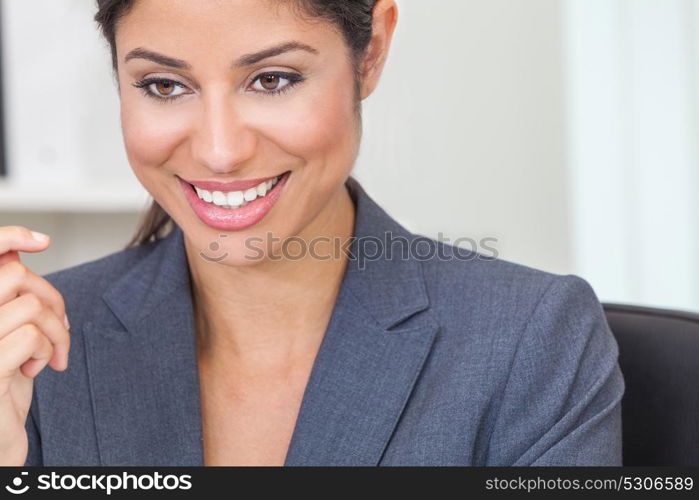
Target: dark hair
[352,18]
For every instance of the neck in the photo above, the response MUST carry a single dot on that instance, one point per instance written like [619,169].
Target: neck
[272,314]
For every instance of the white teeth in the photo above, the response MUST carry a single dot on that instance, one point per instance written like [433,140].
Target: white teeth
[204,195]
[235,199]
[219,198]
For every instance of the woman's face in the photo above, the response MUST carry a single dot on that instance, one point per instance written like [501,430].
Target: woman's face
[200,104]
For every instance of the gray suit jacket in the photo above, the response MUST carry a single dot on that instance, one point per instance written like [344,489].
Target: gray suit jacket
[425,361]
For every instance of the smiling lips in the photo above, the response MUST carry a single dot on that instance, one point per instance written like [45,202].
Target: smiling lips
[236,205]
[231,186]
[228,198]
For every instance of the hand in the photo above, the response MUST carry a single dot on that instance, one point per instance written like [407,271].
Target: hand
[33,334]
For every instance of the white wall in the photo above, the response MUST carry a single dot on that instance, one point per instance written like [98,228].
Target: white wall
[61,107]
[469,119]
[633,69]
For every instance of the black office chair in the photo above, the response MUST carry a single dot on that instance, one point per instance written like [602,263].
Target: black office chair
[659,357]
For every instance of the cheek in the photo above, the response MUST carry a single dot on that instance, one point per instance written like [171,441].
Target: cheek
[317,129]
[150,134]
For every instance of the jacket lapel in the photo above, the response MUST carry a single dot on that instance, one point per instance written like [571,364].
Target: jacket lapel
[358,389]
[143,368]
[141,354]
[378,338]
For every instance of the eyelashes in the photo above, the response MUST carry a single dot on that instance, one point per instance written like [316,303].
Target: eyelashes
[147,84]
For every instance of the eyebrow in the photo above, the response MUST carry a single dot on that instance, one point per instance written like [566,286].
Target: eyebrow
[245,60]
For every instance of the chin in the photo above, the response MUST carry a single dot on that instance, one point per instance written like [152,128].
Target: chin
[246,248]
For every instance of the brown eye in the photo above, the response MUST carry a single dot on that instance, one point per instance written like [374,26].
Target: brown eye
[275,83]
[164,88]
[161,88]
[270,82]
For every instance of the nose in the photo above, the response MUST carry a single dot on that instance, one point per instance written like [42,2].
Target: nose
[222,142]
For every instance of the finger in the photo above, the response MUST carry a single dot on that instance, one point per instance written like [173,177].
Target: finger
[22,239]
[29,308]
[10,256]
[17,279]
[31,368]
[27,342]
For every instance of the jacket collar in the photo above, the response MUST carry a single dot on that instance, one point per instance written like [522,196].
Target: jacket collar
[144,376]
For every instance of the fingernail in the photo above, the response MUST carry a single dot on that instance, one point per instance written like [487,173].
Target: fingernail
[65,321]
[40,237]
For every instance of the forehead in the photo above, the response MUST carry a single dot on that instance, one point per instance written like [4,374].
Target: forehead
[216,26]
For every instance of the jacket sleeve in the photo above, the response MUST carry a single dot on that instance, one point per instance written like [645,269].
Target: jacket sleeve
[34,457]
[562,402]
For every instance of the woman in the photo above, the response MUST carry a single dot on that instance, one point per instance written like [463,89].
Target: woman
[260,315]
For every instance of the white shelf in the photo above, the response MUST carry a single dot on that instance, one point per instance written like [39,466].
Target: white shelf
[37,198]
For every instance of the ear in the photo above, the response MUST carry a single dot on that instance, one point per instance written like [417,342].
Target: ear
[384,23]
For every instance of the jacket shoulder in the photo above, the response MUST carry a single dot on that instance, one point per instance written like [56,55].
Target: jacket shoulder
[497,295]
[539,350]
